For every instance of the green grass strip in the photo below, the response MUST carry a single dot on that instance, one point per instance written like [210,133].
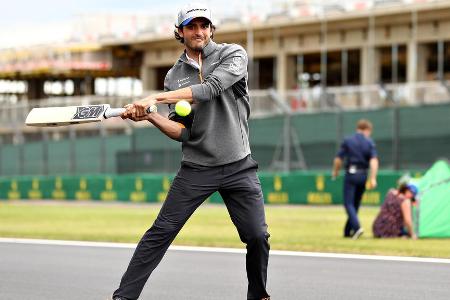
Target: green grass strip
[299,228]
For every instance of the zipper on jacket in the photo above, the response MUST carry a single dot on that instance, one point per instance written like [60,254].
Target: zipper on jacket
[200,75]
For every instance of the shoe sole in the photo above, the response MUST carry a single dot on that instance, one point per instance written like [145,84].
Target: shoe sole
[357,234]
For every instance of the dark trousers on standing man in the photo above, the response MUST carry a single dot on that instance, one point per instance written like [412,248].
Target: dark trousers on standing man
[354,187]
[240,189]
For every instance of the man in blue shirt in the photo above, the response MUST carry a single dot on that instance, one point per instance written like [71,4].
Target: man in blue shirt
[359,153]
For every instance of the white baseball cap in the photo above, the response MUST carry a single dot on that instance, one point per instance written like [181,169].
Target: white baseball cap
[192,11]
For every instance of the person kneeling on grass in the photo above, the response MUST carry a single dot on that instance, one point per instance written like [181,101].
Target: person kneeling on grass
[394,218]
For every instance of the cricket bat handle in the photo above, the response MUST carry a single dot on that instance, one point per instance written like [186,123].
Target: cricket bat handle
[115,112]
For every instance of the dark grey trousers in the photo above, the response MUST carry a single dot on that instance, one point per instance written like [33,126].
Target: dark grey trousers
[239,186]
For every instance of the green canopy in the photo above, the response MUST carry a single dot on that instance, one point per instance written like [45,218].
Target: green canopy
[434,202]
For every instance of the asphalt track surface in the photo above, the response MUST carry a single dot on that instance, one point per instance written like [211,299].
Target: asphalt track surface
[66,272]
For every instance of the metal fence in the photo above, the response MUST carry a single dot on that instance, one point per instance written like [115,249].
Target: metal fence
[283,135]
[406,138]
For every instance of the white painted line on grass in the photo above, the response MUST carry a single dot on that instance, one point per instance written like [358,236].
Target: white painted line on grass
[229,250]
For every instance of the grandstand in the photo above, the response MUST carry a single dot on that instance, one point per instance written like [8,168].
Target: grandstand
[314,70]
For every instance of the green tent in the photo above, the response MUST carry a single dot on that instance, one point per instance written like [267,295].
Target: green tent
[433,214]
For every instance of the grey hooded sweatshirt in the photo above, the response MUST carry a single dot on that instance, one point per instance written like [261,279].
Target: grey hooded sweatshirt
[216,131]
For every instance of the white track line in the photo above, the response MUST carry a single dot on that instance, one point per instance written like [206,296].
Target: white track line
[229,250]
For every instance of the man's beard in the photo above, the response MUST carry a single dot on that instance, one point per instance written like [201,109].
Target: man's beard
[191,46]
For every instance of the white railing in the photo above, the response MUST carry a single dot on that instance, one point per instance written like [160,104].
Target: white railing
[368,97]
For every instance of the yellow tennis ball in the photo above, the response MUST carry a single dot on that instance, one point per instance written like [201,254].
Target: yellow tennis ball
[182,108]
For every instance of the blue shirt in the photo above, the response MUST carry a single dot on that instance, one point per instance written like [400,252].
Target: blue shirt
[357,150]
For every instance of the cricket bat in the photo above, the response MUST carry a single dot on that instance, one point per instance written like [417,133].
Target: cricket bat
[69,115]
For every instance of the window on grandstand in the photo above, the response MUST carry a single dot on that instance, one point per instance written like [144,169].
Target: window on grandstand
[343,68]
[438,60]
[334,68]
[308,69]
[354,67]
[393,61]
[264,73]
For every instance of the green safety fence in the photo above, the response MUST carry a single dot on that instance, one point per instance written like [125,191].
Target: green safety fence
[278,188]
[406,138]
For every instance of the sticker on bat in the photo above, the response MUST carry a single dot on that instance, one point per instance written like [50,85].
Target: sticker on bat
[88,112]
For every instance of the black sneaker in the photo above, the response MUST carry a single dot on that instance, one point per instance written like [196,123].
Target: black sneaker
[358,233]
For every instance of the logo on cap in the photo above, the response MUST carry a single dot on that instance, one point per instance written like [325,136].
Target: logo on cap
[194,9]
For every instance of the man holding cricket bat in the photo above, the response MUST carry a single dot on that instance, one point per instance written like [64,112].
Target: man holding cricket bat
[216,152]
